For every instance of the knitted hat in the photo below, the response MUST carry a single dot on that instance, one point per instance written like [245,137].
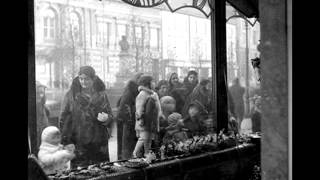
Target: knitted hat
[174,118]
[204,82]
[197,104]
[48,133]
[167,100]
[87,70]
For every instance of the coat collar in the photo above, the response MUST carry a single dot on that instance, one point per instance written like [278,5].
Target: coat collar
[143,88]
[50,147]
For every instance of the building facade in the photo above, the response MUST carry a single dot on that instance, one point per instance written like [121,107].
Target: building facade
[72,33]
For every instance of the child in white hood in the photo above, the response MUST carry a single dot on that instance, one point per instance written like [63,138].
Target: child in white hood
[53,156]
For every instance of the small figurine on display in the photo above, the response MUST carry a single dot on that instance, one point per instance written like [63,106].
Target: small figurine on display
[53,156]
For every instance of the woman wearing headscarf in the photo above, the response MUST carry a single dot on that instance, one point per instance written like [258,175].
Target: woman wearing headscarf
[126,118]
[173,82]
[85,118]
[189,83]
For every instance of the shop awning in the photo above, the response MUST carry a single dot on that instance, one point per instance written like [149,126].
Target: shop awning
[249,8]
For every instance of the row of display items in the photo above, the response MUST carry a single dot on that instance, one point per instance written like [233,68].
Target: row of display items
[169,151]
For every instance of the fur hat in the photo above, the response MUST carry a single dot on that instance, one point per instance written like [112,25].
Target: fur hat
[48,133]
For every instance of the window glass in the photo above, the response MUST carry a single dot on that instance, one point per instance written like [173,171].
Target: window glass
[49,20]
[120,41]
[243,87]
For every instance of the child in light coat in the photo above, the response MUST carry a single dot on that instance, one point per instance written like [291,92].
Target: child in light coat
[148,113]
[53,156]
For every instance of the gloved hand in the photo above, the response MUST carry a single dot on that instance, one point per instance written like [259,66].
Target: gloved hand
[103,117]
[70,148]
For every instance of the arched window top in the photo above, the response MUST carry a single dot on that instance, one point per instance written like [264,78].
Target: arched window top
[49,12]
[49,24]
[74,19]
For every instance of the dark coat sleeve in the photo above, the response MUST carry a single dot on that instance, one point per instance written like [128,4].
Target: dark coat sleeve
[107,109]
[65,119]
[125,108]
[231,103]
[151,115]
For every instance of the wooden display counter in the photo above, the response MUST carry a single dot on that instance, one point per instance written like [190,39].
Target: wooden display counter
[230,163]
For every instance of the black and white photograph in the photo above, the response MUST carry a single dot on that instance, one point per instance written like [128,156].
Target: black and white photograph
[159,89]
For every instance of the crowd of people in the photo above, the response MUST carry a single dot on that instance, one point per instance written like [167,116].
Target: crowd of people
[148,114]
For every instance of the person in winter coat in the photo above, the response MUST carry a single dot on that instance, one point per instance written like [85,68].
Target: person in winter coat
[148,112]
[85,118]
[162,88]
[189,83]
[175,90]
[53,156]
[237,93]
[256,115]
[126,119]
[201,93]
[42,110]
[194,122]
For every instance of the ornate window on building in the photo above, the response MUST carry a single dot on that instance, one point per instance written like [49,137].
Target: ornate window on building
[154,38]
[75,26]
[139,35]
[49,24]
[103,38]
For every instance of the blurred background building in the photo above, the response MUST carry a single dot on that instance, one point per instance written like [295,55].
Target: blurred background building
[72,33]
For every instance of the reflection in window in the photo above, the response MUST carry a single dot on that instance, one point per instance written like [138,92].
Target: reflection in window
[49,24]
[75,26]
[122,31]
[139,35]
[154,38]
[178,43]
[103,38]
